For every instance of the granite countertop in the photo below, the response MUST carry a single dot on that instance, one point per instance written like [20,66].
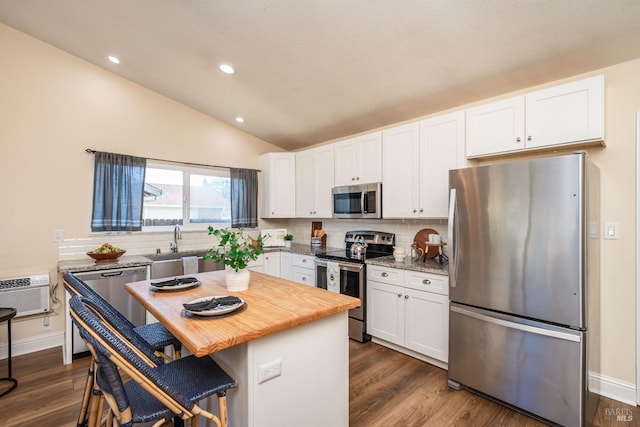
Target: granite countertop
[300,248]
[430,266]
[88,264]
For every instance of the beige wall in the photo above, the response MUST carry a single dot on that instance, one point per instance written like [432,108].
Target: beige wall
[53,106]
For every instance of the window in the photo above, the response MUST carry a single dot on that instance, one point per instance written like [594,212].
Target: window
[186,195]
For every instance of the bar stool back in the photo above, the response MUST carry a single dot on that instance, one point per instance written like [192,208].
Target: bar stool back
[154,391]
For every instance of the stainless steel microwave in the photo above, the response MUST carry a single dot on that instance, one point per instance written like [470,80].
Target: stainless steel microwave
[357,201]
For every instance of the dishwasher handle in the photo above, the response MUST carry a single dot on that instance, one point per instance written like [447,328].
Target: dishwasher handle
[112,274]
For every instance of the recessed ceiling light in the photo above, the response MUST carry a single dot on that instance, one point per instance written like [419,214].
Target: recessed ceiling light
[227,69]
[114,59]
[239,119]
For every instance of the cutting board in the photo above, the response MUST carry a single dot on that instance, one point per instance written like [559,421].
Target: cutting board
[422,237]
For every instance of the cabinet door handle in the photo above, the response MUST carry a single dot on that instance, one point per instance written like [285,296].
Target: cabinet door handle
[399,295]
[426,282]
[414,211]
[518,139]
[529,138]
[421,210]
[406,297]
[384,274]
[353,178]
[304,260]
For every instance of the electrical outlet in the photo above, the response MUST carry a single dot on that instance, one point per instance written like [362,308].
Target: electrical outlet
[269,371]
[611,230]
[58,235]
[46,323]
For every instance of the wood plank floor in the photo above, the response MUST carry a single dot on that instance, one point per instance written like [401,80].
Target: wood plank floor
[387,388]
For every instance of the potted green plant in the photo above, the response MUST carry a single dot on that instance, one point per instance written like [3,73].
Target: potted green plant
[287,240]
[235,250]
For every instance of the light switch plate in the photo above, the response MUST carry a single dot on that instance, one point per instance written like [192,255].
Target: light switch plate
[58,235]
[611,230]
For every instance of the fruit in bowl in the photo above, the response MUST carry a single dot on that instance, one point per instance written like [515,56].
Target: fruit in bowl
[106,253]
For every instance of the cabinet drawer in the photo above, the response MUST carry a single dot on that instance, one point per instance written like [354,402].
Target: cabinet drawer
[385,274]
[303,261]
[304,276]
[427,282]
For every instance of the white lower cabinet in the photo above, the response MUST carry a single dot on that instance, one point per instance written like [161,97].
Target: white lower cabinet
[286,266]
[409,309]
[304,269]
[271,263]
[257,265]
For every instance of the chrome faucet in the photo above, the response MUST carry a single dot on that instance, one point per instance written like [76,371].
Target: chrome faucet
[177,235]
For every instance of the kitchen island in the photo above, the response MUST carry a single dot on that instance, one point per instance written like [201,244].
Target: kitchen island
[295,329]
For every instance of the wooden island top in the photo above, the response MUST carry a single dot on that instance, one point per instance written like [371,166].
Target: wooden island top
[272,305]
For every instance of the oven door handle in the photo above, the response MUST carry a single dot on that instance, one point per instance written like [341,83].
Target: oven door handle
[341,265]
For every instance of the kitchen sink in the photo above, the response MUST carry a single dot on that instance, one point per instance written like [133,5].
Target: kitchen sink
[170,265]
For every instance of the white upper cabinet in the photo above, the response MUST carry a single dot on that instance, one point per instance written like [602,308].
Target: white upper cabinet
[314,180]
[401,171]
[441,149]
[495,128]
[417,160]
[573,112]
[358,160]
[278,185]
[567,114]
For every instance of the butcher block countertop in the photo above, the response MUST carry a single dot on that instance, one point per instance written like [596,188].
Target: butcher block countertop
[272,305]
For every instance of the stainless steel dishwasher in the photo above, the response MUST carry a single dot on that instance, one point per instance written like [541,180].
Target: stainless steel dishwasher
[110,284]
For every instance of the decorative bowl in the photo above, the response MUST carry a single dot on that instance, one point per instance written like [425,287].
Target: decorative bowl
[106,257]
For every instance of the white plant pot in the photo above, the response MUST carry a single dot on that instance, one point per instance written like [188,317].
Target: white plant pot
[237,281]
[287,243]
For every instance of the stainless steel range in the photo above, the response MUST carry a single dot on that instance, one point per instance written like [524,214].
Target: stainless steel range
[343,271]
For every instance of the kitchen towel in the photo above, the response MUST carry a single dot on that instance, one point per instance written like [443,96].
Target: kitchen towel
[333,277]
[189,265]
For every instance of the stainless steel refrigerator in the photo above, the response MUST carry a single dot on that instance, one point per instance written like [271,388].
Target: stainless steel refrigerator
[524,284]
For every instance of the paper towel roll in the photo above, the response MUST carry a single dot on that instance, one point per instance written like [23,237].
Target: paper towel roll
[189,265]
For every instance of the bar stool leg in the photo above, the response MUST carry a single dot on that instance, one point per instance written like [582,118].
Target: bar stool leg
[10,376]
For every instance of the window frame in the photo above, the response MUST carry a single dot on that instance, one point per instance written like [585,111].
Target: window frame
[187,170]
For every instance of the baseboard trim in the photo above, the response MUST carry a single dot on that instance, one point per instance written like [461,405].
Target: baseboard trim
[613,388]
[414,354]
[32,344]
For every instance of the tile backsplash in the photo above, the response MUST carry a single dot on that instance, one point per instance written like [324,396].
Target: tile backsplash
[146,243]
[405,230]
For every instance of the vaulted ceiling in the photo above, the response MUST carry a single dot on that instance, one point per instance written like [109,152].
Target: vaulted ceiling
[309,71]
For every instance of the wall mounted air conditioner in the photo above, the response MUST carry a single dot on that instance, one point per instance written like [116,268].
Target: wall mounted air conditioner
[28,294]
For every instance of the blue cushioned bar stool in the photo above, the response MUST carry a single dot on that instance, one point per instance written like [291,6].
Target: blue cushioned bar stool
[154,335]
[156,390]
[8,314]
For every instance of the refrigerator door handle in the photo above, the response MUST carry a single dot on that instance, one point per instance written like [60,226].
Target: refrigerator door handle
[453,265]
[512,325]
